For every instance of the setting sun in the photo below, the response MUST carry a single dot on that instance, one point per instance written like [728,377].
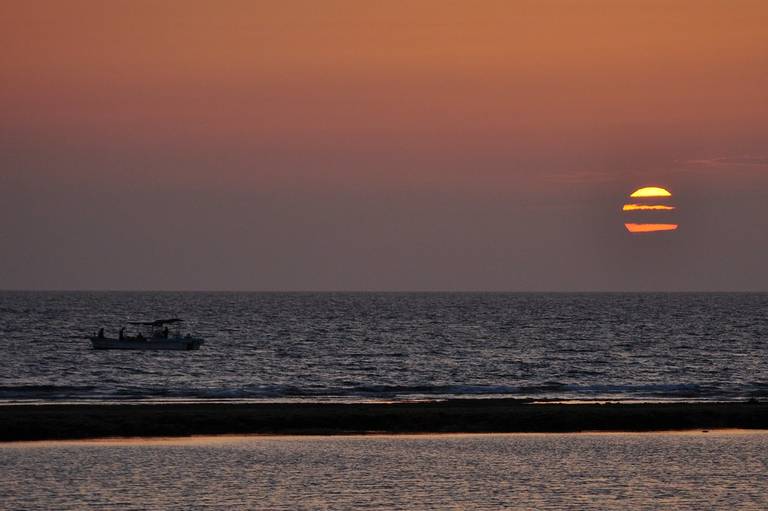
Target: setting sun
[651,191]
[651,212]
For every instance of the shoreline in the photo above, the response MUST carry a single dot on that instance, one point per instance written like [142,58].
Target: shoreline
[208,440]
[89,421]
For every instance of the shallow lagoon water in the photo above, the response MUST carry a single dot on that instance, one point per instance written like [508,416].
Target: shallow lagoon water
[716,470]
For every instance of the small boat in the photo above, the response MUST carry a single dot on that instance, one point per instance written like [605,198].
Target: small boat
[158,337]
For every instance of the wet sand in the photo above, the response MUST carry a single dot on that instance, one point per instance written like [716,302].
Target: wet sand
[57,422]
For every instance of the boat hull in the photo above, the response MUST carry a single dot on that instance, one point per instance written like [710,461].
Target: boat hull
[181,344]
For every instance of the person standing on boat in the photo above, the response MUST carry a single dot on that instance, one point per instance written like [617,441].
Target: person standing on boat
[165,332]
[101,333]
[121,333]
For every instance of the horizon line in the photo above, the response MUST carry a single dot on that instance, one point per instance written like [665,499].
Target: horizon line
[379,291]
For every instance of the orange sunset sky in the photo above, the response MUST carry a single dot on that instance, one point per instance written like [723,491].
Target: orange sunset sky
[347,145]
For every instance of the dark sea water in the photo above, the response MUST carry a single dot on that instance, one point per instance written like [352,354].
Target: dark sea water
[369,346]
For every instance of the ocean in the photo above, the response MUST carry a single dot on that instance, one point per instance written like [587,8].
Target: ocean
[390,346]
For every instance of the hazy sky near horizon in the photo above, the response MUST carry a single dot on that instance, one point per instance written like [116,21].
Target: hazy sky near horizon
[346,145]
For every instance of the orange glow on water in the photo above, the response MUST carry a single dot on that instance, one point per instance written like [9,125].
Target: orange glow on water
[651,191]
[650,227]
[647,207]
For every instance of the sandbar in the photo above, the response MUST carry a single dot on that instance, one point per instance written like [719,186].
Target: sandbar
[86,421]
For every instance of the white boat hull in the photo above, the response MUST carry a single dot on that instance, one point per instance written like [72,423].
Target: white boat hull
[179,344]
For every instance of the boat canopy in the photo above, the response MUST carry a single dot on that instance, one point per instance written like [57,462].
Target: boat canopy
[157,322]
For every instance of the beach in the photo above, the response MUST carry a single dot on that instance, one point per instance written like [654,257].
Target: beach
[58,422]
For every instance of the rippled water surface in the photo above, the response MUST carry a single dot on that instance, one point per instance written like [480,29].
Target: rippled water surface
[344,346]
[717,470]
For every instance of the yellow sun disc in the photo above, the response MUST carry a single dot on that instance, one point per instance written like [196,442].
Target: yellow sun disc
[651,191]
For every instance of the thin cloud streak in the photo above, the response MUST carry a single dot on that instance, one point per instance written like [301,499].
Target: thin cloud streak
[729,161]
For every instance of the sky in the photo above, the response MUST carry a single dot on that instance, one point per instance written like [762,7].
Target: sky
[393,146]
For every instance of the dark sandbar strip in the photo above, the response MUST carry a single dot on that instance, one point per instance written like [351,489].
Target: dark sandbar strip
[48,422]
